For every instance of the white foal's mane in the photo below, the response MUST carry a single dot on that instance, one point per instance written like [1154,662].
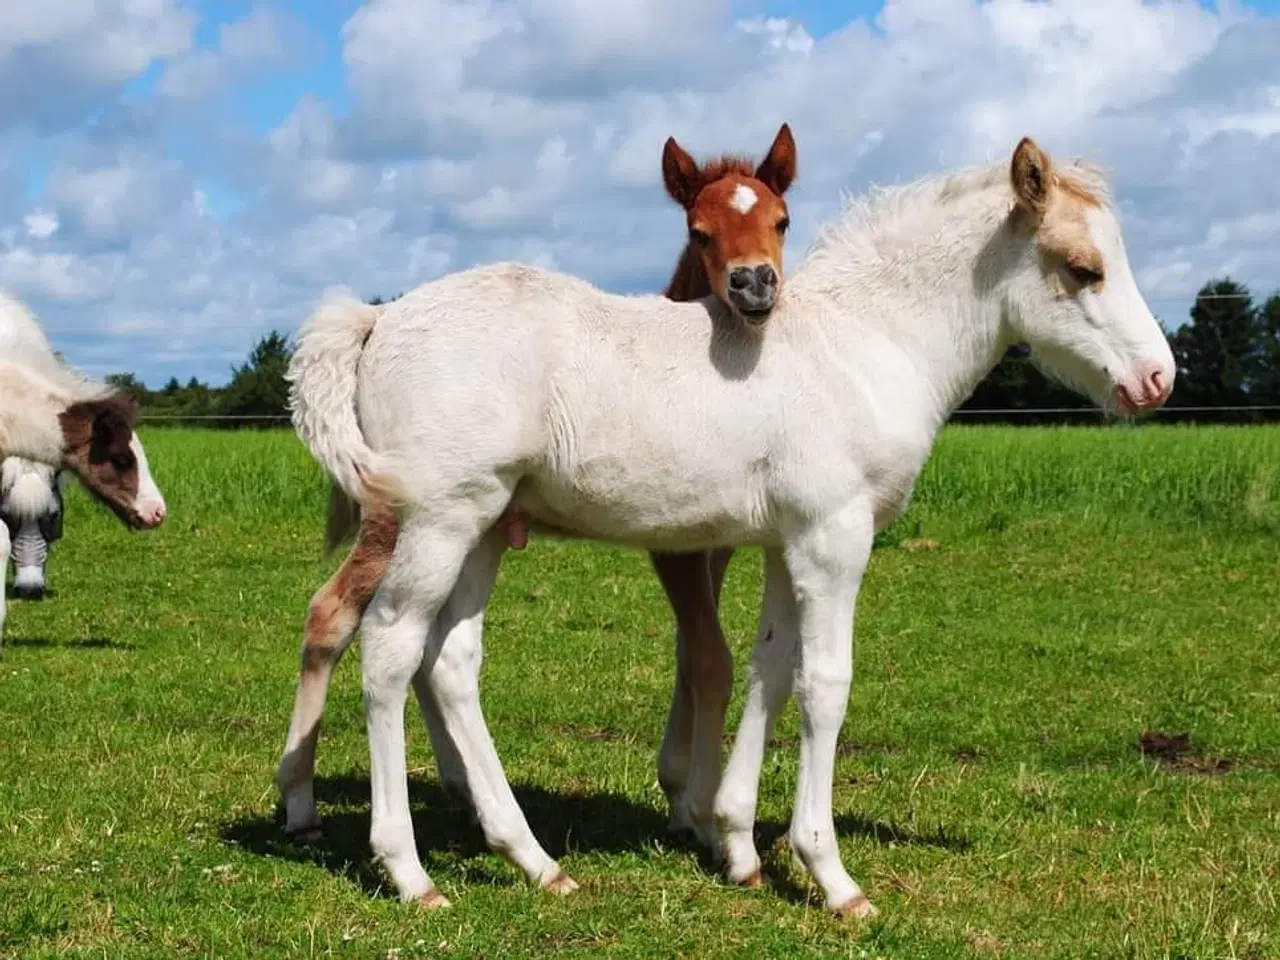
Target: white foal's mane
[889,220]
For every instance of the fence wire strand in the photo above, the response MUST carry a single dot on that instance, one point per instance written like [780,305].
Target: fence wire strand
[984,412]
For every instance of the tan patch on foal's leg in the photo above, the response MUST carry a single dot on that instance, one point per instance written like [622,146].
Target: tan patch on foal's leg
[332,619]
[336,608]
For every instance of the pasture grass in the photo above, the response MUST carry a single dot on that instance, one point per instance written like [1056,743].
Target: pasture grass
[1051,596]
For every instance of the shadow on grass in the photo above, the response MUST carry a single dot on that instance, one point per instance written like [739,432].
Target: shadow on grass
[562,822]
[891,834]
[88,643]
[441,825]
[50,593]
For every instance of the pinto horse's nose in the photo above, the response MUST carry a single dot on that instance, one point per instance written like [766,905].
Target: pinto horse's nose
[29,591]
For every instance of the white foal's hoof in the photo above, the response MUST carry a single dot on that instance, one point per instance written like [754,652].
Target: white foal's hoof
[561,884]
[857,906]
[433,899]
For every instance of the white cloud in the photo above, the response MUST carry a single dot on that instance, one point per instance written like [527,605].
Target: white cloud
[246,48]
[61,58]
[533,129]
[117,196]
[781,33]
[41,225]
[63,277]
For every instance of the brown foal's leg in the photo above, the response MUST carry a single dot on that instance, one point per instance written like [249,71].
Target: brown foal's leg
[689,761]
[718,562]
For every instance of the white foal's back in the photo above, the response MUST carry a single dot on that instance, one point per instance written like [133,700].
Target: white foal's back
[627,418]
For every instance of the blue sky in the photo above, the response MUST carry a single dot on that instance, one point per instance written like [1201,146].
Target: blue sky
[183,176]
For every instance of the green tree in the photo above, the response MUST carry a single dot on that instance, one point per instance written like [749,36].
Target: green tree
[130,384]
[1267,387]
[1217,353]
[259,389]
[1016,384]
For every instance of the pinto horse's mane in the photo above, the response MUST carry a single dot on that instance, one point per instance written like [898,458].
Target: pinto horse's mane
[690,280]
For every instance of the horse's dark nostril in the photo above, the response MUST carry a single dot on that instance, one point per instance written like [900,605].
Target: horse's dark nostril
[739,278]
[765,276]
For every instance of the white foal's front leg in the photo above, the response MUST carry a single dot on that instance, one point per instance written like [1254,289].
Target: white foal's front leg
[451,670]
[769,681]
[826,566]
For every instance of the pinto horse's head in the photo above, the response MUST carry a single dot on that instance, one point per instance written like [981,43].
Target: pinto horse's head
[99,444]
[737,220]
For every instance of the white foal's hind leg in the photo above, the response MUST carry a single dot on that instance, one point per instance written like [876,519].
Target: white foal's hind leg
[452,672]
[826,567]
[769,682]
[449,768]
[396,627]
[4,574]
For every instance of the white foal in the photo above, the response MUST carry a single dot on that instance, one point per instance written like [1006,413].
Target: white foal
[664,426]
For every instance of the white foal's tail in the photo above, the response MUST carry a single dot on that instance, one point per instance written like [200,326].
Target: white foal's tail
[322,397]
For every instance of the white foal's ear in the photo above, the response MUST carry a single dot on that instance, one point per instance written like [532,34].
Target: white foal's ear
[1032,174]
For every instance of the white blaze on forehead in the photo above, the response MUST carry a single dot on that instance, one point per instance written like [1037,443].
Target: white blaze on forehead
[148,491]
[743,199]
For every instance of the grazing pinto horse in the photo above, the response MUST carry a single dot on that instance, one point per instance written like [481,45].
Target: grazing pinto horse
[736,221]
[50,414]
[593,411]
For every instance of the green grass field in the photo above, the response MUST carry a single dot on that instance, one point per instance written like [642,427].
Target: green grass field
[1051,596]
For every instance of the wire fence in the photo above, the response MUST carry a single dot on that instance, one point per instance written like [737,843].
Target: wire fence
[1271,409]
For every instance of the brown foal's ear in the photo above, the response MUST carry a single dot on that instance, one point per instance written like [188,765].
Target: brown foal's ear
[778,169]
[680,174]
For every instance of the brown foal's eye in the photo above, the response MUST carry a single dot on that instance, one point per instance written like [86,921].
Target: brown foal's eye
[700,237]
[783,224]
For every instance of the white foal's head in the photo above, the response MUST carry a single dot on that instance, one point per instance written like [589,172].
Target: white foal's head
[1075,301]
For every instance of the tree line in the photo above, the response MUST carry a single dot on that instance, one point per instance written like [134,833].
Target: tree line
[1228,355]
